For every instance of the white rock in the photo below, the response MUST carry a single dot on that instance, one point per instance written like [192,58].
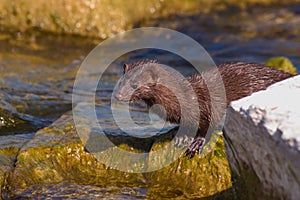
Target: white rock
[262,134]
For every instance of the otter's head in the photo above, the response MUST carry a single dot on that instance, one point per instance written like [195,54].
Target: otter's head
[138,82]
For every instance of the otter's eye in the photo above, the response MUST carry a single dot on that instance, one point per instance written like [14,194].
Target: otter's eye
[134,86]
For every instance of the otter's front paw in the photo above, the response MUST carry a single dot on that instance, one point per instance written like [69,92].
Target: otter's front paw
[196,146]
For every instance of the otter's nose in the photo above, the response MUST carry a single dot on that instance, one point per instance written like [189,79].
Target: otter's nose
[119,96]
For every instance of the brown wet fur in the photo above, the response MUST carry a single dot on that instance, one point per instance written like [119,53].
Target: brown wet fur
[240,80]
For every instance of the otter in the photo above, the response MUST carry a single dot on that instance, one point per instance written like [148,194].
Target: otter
[240,79]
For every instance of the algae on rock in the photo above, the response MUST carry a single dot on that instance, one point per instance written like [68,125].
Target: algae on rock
[57,154]
[204,175]
[282,63]
[9,148]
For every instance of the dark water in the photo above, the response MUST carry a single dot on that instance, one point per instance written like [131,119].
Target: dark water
[37,72]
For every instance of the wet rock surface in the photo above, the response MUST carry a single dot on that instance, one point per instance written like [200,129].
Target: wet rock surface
[81,192]
[55,154]
[54,163]
[203,176]
[9,148]
[11,124]
[262,142]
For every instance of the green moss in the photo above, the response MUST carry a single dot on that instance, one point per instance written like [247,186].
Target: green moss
[198,177]
[282,63]
[9,154]
[56,155]
[69,163]
[7,159]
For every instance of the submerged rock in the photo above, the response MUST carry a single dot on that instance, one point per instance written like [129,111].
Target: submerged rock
[11,124]
[76,191]
[263,142]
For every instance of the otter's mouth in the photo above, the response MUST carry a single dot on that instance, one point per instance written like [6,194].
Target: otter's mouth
[124,99]
[132,101]
[120,97]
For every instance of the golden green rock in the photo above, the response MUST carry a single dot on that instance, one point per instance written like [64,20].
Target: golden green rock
[57,155]
[9,148]
[204,175]
[282,63]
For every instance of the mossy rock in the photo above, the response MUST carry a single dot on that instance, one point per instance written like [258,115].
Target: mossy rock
[7,157]
[282,63]
[9,148]
[203,175]
[56,154]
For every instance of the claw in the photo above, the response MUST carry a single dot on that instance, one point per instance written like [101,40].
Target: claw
[196,146]
[183,141]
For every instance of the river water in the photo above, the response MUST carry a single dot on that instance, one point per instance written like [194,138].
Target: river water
[37,72]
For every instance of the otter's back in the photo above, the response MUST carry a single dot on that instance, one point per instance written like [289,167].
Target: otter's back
[242,79]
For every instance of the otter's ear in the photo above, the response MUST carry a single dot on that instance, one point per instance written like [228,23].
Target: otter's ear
[125,68]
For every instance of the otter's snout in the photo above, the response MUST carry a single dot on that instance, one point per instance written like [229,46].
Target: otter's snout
[119,96]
